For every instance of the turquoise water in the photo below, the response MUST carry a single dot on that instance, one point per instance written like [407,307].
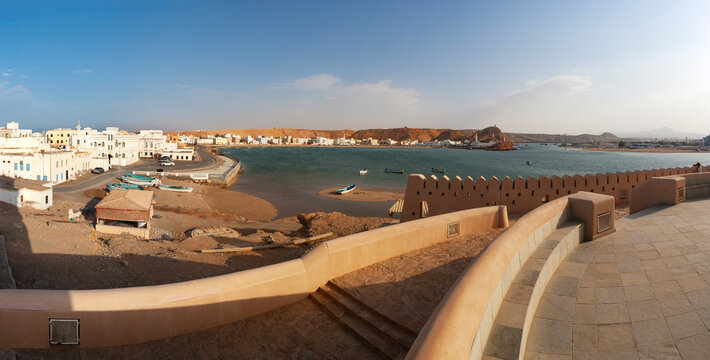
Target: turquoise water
[290,177]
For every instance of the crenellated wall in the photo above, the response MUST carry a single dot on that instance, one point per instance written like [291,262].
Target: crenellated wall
[519,195]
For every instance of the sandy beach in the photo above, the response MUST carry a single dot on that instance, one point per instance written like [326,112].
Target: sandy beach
[364,194]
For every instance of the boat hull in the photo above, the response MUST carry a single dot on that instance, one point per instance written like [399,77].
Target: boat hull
[345,190]
[176,188]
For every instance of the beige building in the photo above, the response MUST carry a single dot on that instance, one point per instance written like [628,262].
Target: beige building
[125,211]
[60,137]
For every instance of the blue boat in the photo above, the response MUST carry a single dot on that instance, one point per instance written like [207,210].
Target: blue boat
[393,171]
[346,189]
[123,186]
[140,177]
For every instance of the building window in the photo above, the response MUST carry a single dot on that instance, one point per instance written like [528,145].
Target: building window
[22,198]
[44,178]
[22,166]
[46,199]
[37,177]
[15,166]
[28,167]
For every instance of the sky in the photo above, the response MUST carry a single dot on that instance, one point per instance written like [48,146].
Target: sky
[526,66]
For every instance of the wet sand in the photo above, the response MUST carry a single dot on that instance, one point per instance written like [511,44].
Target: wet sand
[364,194]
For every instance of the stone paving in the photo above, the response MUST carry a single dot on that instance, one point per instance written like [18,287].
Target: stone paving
[640,293]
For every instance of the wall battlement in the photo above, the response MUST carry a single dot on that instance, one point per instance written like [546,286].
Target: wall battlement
[433,196]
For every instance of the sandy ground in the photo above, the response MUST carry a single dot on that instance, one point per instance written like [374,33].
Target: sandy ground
[364,194]
[650,150]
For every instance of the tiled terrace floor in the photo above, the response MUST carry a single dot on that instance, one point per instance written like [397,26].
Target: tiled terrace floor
[643,295]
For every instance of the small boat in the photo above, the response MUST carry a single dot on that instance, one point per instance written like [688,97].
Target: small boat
[393,171]
[528,163]
[437,170]
[139,177]
[363,171]
[123,186]
[346,189]
[135,181]
[176,188]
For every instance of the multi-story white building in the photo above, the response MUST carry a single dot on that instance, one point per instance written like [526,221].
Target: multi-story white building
[51,165]
[151,143]
[107,148]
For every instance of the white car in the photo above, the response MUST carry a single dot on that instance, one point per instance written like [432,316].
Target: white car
[167,163]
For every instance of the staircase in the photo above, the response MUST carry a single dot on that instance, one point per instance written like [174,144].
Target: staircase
[384,336]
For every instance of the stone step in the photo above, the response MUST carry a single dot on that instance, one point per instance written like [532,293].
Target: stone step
[520,301]
[382,335]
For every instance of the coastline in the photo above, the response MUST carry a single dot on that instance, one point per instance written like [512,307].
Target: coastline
[650,150]
[364,194]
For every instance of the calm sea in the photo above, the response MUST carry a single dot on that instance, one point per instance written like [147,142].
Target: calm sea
[290,177]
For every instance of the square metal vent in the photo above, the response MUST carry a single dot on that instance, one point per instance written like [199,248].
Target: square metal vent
[453,229]
[64,331]
[603,222]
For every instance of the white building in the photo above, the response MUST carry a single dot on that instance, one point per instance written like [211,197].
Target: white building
[107,148]
[205,141]
[51,166]
[151,143]
[20,192]
[174,152]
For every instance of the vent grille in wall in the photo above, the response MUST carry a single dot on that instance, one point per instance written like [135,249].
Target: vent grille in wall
[603,222]
[64,331]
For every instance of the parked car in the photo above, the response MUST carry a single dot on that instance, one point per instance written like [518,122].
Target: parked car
[167,162]
[97,170]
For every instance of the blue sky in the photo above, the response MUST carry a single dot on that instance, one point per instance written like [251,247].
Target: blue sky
[528,66]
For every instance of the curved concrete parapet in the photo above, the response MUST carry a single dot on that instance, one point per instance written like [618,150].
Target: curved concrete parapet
[461,324]
[133,315]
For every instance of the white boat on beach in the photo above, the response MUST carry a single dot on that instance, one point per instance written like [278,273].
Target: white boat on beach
[130,180]
[363,171]
[176,188]
[346,189]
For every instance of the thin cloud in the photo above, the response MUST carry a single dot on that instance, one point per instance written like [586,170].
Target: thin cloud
[83,71]
[315,82]
[204,92]
[7,73]
[377,94]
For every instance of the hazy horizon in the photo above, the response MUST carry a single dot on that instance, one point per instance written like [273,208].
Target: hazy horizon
[542,67]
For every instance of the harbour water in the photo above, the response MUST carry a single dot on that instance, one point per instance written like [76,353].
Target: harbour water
[290,177]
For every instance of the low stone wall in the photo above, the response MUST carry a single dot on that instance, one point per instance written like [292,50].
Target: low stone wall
[440,196]
[223,179]
[133,315]
[461,324]
[669,190]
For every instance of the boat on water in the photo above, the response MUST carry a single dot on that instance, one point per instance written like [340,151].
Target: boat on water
[125,186]
[363,171]
[394,171]
[176,188]
[346,189]
[437,170]
[528,163]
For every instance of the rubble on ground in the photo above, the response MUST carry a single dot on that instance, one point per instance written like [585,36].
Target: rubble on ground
[318,223]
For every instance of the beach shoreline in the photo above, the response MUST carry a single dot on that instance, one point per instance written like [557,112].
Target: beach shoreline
[650,150]
[364,194]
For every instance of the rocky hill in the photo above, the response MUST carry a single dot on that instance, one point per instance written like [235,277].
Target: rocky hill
[558,138]
[275,132]
[491,133]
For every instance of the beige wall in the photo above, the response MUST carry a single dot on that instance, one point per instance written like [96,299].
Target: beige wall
[519,195]
[460,325]
[133,315]
[669,190]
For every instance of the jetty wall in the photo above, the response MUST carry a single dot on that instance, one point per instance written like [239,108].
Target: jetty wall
[433,196]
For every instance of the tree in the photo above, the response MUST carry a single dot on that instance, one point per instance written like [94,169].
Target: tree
[622,144]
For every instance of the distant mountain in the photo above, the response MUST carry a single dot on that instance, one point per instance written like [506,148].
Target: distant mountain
[661,133]
[558,138]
